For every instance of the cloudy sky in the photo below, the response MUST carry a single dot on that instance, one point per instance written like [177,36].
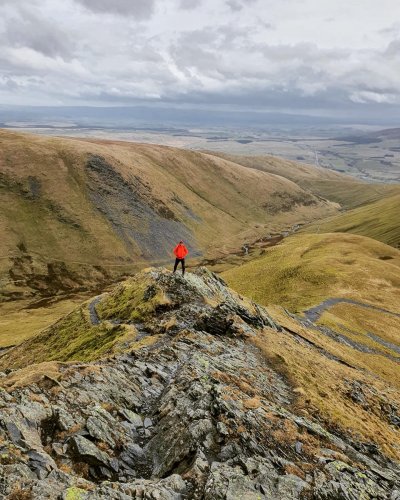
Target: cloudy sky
[314,56]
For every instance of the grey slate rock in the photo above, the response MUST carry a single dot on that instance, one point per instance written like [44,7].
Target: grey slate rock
[88,452]
[173,421]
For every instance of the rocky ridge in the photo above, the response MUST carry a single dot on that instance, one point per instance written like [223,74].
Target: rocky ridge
[189,409]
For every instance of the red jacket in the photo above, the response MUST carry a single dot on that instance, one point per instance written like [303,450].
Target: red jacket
[180,251]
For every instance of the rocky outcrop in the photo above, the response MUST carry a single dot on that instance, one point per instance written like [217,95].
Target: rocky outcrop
[190,410]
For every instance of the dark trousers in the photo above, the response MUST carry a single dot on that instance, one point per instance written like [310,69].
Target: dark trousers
[182,261]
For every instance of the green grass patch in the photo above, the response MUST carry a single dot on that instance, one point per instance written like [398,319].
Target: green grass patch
[378,220]
[132,300]
[73,338]
[306,269]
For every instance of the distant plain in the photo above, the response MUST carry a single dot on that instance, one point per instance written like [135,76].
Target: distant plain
[360,151]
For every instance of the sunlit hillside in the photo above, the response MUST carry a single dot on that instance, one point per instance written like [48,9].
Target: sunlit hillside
[75,213]
[306,269]
[378,220]
[348,191]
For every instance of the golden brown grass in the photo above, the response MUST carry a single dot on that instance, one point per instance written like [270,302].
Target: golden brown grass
[252,403]
[20,493]
[303,271]
[33,374]
[377,364]
[221,202]
[18,321]
[343,189]
[358,323]
[325,385]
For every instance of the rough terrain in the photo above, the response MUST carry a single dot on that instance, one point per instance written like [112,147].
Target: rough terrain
[187,407]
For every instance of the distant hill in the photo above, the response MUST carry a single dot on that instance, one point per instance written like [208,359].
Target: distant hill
[340,188]
[388,133]
[371,137]
[76,213]
[378,220]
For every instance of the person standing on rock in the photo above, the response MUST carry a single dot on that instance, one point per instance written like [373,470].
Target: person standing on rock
[180,252]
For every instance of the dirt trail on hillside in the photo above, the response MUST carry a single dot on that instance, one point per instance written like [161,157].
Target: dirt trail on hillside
[314,313]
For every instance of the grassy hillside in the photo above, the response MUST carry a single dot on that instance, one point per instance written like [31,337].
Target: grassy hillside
[378,220]
[343,361]
[21,319]
[126,317]
[336,383]
[305,269]
[75,213]
[343,189]
[73,338]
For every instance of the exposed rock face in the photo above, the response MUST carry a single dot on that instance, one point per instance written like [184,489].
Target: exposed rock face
[145,221]
[197,414]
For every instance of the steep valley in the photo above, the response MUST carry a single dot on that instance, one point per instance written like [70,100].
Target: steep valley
[76,214]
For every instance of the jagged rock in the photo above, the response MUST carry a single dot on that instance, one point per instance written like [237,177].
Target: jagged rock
[64,419]
[135,419]
[101,427]
[298,447]
[15,433]
[86,451]
[197,414]
[131,455]
[395,420]
[11,475]
[291,486]
[147,422]
[59,449]
[41,463]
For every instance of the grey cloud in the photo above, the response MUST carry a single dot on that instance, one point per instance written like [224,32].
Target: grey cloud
[19,3]
[201,52]
[219,38]
[29,30]
[393,49]
[140,9]
[237,5]
[302,68]
[392,30]
[234,5]
[190,4]
[8,83]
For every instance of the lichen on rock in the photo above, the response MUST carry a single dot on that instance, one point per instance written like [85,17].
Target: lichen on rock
[198,413]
